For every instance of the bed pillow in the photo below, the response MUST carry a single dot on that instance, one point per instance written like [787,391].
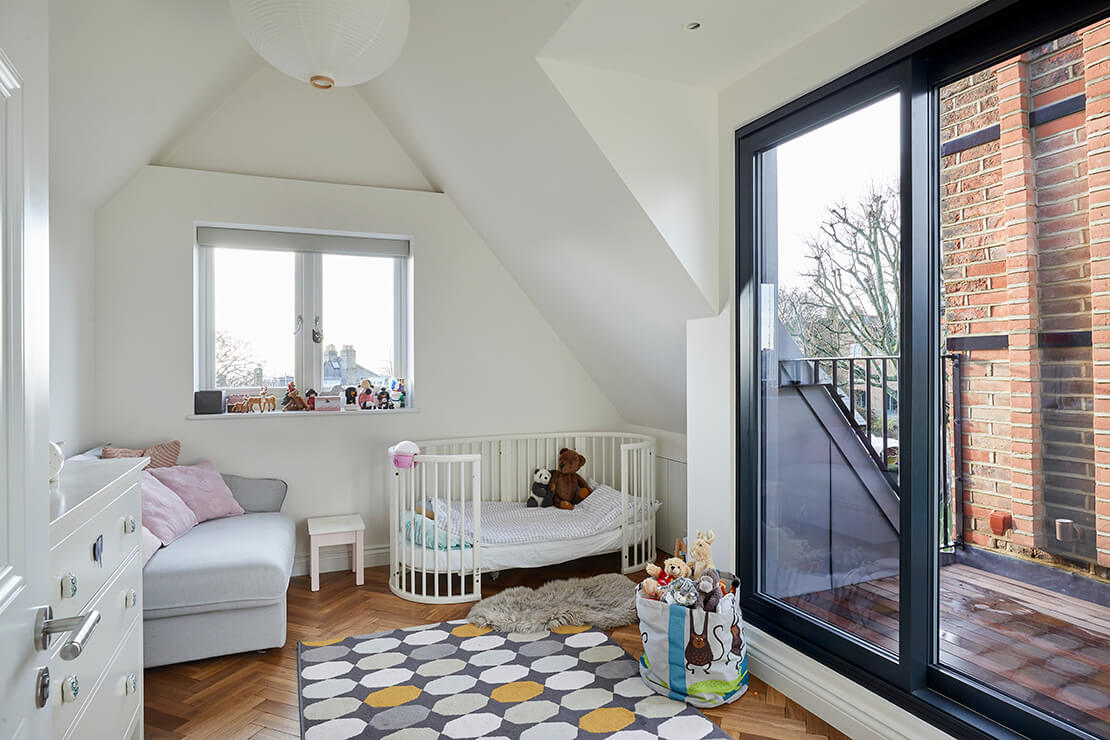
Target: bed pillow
[164,513]
[162,455]
[201,488]
[420,530]
[149,545]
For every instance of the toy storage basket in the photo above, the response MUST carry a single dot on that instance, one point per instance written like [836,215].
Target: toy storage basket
[692,655]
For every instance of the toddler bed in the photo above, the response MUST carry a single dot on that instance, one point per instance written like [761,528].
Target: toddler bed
[460,511]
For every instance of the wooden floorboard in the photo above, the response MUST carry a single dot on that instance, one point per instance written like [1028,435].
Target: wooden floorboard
[1045,648]
[253,695]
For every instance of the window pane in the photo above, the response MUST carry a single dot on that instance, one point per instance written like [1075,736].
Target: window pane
[830,257]
[254,317]
[1025,514]
[358,320]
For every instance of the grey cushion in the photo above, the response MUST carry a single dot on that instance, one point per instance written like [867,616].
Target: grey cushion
[256,494]
[232,563]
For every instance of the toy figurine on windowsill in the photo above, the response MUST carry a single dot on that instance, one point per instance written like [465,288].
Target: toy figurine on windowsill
[397,392]
[293,400]
[350,395]
[310,399]
[366,395]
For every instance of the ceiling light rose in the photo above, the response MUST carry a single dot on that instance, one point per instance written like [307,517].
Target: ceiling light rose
[327,43]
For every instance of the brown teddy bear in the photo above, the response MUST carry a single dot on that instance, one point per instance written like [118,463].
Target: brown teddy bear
[673,569]
[567,487]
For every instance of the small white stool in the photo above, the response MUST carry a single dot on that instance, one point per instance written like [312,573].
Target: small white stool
[335,530]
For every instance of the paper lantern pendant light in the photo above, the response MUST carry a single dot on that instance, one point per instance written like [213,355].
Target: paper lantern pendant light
[327,43]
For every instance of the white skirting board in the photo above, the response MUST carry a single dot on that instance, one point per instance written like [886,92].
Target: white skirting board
[841,702]
[339,558]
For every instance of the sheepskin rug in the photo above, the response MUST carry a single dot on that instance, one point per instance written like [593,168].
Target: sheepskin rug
[604,601]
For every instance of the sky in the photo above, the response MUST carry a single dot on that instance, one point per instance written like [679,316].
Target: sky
[837,162]
[254,301]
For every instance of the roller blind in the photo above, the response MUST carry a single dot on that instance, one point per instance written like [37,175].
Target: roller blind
[228,238]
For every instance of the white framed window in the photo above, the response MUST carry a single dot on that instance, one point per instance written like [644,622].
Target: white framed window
[324,311]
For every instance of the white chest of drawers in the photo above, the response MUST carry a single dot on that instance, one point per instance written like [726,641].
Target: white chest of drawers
[95,558]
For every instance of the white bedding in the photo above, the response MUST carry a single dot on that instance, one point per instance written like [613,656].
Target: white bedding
[504,557]
[513,523]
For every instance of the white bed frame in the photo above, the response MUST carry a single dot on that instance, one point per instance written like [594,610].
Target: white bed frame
[476,469]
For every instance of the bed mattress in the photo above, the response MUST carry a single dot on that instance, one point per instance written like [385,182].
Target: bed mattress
[503,557]
[513,523]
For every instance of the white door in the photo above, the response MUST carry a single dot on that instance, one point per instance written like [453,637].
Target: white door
[24,334]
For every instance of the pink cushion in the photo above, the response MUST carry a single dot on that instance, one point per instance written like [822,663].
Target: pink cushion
[164,513]
[149,545]
[201,488]
[161,455]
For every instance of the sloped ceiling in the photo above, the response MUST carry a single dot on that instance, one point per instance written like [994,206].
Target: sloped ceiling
[129,76]
[471,103]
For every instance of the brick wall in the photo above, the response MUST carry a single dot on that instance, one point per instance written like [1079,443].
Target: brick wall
[1021,251]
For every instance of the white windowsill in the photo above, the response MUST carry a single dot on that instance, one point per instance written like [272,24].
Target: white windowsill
[360,413]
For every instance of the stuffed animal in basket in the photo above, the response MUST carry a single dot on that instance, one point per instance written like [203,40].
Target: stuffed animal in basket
[681,591]
[541,489]
[709,589]
[659,578]
[567,486]
[701,553]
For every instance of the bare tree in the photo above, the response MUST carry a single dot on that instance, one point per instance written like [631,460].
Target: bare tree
[235,362]
[854,281]
[816,331]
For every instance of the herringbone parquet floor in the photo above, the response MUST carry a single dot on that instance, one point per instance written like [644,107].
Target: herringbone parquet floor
[254,695]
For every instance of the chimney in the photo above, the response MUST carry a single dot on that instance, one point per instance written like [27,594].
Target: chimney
[350,367]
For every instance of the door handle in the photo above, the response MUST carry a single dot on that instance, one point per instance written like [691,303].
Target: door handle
[81,626]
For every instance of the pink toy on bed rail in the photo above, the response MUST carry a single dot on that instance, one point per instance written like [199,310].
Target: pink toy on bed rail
[404,453]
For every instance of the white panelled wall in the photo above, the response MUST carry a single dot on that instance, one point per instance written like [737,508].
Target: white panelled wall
[670,489]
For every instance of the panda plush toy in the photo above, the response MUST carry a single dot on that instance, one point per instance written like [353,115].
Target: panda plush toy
[541,490]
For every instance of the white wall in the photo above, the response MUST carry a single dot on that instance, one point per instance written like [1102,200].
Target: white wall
[711,448]
[486,361]
[71,321]
[276,126]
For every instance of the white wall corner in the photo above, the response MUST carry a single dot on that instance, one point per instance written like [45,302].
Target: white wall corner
[843,703]
[711,499]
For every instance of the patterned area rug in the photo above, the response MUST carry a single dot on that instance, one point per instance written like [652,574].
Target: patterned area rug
[457,680]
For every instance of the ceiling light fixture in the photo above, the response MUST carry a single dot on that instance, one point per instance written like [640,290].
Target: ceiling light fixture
[693,26]
[326,43]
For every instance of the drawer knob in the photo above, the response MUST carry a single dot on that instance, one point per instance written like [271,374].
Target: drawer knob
[131,684]
[129,525]
[98,550]
[69,586]
[70,688]
[130,598]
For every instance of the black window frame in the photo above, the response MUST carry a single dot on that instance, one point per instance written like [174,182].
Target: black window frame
[915,681]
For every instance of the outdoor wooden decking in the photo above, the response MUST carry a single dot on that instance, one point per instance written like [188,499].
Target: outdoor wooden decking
[1045,648]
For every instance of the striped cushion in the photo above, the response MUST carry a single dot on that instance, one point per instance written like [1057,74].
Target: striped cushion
[161,455]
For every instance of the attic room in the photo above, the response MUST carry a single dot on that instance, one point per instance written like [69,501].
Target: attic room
[415,369]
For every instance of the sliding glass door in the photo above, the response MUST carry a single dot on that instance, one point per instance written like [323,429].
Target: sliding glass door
[823,423]
[1024,594]
[923,359]
[830,266]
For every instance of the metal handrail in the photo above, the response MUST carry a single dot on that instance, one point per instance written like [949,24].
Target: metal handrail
[862,368]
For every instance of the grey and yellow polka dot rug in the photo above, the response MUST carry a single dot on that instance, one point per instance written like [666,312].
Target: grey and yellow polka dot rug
[455,680]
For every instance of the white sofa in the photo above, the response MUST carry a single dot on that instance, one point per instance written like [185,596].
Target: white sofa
[221,588]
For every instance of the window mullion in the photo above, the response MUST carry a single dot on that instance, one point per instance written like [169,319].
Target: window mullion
[314,317]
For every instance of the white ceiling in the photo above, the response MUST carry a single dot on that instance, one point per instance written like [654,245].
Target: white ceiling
[649,37]
[138,81]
